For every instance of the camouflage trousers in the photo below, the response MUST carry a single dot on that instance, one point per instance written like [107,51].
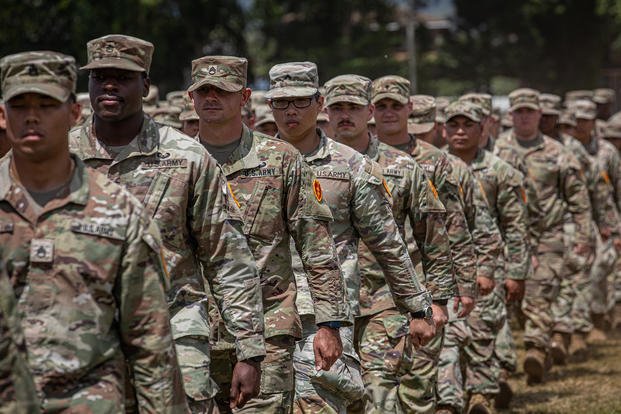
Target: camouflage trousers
[603,277]
[385,350]
[568,307]
[451,364]
[504,347]
[276,395]
[541,292]
[208,406]
[328,392]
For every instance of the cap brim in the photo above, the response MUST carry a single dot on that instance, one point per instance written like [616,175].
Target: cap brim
[290,92]
[53,91]
[549,111]
[414,128]
[601,101]
[218,83]
[265,121]
[585,115]
[464,114]
[612,134]
[113,63]
[188,116]
[357,100]
[525,105]
[394,96]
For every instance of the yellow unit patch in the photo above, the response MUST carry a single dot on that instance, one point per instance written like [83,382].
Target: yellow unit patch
[233,195]
[605,176]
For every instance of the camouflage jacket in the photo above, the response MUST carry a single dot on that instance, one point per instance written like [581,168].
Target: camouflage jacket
[413,197]
[597,178]
[358,197]
[560,187]
[502,186]
[436,165]
[86,269]
[535,215]
[485,233]
[280,199]
[184,191]
[605,177]
[17,393]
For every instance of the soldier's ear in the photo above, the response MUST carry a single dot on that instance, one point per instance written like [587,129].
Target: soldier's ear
[246,92]
[146,83]
[371,109]
[2,118]
[76,113]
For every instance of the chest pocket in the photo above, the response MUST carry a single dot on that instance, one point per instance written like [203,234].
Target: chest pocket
[263,215]
[335,185]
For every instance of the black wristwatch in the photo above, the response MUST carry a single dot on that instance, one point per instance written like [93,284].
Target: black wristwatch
[331,324]
[426,314]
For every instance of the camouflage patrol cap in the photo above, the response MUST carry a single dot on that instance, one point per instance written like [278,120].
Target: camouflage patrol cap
[571,96]
[323,117]
[224,72]
[371,121]
[506,121]
[48,73]
[348,88]
[550,104]
[441,103]
[584,109]
[603,95]
[423,116]
[119,52]
[524,98]
[392,87]
[153,96]
[177,98]
[257,98]
[567,117]
[188,114]
[293,79]
[167,116]
[463,107]
[613,129]
[263,115]
[484,100]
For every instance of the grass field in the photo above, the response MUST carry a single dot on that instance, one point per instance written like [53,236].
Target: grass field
[592,387]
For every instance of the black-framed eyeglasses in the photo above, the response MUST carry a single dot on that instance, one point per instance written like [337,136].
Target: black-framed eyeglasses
[299,103]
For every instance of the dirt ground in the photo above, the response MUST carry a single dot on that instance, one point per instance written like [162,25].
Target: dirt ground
[592,387]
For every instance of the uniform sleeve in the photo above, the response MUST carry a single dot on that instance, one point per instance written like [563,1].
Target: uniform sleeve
[576,197]
[227,261]
[144,322]
[373,219]
[428,220]
[513,223]
[462,247]
[604,209]
[308,219]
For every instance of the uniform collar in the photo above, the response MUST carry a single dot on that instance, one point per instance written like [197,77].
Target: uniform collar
[322,151]
[480,160]
[11,191]
[245,156]
[144,144]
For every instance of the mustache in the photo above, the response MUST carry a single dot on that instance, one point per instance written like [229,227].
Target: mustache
[346,123]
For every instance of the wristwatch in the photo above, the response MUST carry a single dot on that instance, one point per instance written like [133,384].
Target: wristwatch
[331,324]
[426,314]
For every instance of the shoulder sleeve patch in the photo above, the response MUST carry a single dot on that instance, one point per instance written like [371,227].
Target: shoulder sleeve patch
[317,190]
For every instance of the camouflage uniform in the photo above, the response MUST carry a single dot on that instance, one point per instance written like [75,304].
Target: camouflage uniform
[560,188]
[18,393]
[414,197]
[94,257]
[359,199]
[183,190]
[504,195]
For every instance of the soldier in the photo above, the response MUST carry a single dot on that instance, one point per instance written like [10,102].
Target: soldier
[604,99]
[390,95]
[280,199]
[484,101]
[189,121]
[381,331]
[83,259]
[18,393]
[184,191]
[488,245]
[605,164]
[502,189]
[560,186]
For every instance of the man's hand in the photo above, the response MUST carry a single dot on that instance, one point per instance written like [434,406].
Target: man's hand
[486,285]
[440,315]
[327,347]
[422,331]
[467,304]
[515,290]
[245,383]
